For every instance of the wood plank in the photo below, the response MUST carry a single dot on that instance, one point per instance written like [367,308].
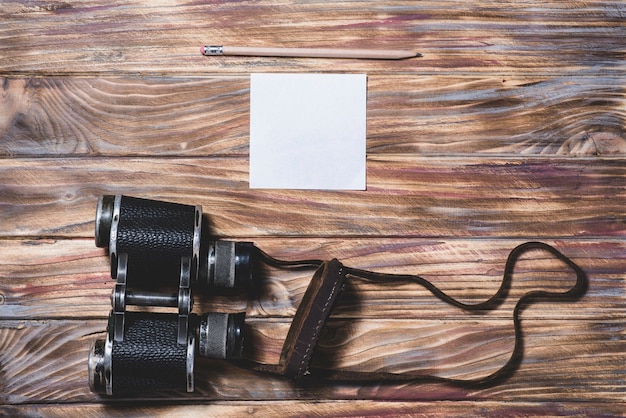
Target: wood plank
[135,37]
[428,115]
[510,128]
[406,196]
[47,279]
[564,360]
[321,409]
[125,116]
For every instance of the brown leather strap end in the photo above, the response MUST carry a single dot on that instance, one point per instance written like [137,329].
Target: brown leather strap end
[315,308]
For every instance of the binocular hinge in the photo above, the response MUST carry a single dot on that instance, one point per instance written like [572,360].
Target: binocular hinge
[118,298]
[185,300]
[122,297]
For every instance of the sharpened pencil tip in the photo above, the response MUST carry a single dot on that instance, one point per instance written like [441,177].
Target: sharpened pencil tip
[418,55]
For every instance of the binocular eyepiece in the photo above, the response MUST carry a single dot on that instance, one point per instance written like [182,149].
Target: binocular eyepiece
[160,256]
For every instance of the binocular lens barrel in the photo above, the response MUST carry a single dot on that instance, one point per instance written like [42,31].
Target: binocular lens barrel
[154,234]
[150,358]
[159,259]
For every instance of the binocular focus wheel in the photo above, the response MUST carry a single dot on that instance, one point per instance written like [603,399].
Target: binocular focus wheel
[220,335]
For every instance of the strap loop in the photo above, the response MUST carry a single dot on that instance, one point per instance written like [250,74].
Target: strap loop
[330,278]
[310,318]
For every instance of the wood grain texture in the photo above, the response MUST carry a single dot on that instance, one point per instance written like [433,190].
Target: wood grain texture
[359,337]
[51,279]
[331,409]
[134,37]
[45,361]
[510,128]
[421,115]
[406,196]
[107,116]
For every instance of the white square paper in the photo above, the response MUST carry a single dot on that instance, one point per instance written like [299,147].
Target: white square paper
[308,131]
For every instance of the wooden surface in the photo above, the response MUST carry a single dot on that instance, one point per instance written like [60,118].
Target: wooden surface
[512,127]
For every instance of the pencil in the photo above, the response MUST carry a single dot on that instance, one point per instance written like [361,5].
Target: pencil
[373,54]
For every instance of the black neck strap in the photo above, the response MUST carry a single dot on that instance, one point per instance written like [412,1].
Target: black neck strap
[328,281]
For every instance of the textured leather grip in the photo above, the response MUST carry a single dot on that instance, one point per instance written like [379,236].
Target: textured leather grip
[149,358]
[314,310]
[155,235]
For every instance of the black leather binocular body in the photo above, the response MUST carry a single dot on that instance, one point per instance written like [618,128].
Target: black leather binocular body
[150,358]
[156,235]
[160,257]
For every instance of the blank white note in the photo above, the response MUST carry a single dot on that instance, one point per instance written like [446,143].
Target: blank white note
[308,131]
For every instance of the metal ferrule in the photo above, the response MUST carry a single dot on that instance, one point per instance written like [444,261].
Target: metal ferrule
[213,50]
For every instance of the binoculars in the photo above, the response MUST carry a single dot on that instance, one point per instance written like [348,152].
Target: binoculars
[160,256]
